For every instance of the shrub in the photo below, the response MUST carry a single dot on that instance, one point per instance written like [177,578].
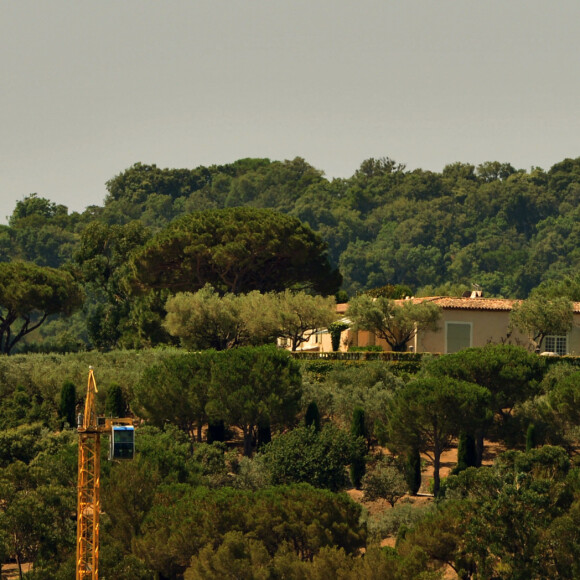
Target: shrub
[320,459]
[384,481]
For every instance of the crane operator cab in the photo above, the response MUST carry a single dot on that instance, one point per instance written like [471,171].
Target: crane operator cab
[122,442]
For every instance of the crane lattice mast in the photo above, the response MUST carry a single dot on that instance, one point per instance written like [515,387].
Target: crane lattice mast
[90,428]
[89,501]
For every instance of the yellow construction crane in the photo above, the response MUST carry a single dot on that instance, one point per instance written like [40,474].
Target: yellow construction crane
[122,446]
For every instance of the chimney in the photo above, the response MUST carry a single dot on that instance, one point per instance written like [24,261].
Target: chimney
[476,292]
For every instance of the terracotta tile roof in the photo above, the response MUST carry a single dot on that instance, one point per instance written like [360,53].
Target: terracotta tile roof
[479,303]
[449,302]
[468,303]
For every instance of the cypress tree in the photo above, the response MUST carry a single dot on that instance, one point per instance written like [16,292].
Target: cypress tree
[264,432]
[358,429]
[413,471]
[115,405]
[531,440]
[68,403]
[312,416]
[466,453]
[216,431]
[335,330]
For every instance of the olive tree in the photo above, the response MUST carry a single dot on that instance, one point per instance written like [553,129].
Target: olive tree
[396,322]
[540,316]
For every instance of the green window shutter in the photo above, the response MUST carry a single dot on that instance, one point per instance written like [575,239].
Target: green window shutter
[458,336]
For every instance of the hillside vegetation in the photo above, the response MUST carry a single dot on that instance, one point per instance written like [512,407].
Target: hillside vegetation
[505,229]
[175,294]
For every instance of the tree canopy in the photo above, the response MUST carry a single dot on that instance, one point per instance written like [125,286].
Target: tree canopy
[28,295]
[504,228]
[236,250]
[252,385]
[396,322]
[540,316]
[431,411]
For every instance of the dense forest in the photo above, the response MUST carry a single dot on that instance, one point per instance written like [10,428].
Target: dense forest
[504,229]
[197,503]
[252,462]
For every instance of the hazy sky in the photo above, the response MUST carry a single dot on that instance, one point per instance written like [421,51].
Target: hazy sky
[89,88]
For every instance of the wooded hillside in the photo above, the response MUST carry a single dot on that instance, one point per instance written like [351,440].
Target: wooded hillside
[505,229]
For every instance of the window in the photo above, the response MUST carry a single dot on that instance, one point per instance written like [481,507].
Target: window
[457,336]
[557,344]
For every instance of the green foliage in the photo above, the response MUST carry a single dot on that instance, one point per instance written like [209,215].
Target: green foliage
[32,205]
[507,229]
[344,386]
[211,458]
[250,385]
[539,317]
[430,412]
[28,295]
[184,521]
[176,391]
[358,430]
[563,399]
[20,443]
[20,408]
[207,320]
[236,250]
[500,521]
[312,416]
[412,470]
[564,287]
[30,385]
[317,458]
[37,496]
[68,403]
[166,454]
[238,556]
[395,292]
[114,317]
[357,426]
[466,453]
[368,348]
[41,232]
[251,473]
[394,522]
[384,480]
[297,315]
[396,323]
[531,437]
[115,404]
[510,373]
[242,557]
[336,329]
